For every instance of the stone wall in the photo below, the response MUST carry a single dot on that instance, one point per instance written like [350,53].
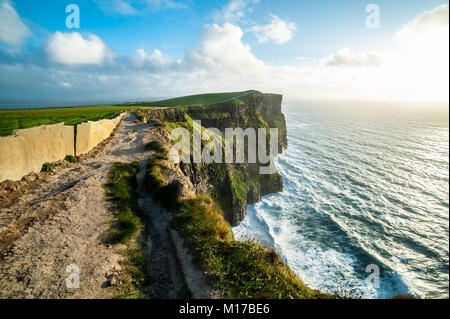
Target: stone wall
[90,134]
[26,150]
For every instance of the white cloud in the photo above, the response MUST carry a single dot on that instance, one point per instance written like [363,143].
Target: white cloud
[433,22]
[12,29]
[278,31]
[222,50]
[422,54]
[157,61]
[66,85]
[74,49]
[117,7]
[234,11]
[137,7]
[157,5]
[223,62]
[347,58]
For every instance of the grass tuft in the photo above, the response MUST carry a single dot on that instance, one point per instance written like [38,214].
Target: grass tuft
[168,194]
[48,167]
[121,191]
[129,221]
[404,296]
[155,146]
[71,159]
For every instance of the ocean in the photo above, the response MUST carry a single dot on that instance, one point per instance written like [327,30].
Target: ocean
[366,197]
[14,104]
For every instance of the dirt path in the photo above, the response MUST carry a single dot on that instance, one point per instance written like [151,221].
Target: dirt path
[70,215]
[163,269]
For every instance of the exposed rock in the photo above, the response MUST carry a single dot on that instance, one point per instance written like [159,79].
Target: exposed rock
[245,114]
[30,177]
[233,185]
[9,185]
[161,115]
[236,185]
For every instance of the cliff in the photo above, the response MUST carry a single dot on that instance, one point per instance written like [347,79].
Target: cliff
[197,200]
[232,185]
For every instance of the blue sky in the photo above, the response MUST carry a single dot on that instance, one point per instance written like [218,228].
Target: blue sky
[281,42]
[323,26]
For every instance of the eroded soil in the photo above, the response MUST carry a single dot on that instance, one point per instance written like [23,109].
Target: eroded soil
[59,219]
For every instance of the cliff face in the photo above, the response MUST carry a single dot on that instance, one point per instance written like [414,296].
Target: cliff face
[232,185]
[257,110]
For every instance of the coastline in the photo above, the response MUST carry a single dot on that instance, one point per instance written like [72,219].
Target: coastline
[266,232]
[264,225]
[324,223]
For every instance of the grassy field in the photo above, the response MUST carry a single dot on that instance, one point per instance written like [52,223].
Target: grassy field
[11,120]
[199,99]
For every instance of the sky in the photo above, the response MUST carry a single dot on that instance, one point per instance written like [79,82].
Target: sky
[307,49]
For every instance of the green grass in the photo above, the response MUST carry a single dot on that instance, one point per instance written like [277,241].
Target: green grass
[155,146]
[239,186]
[48,167]
[166,193]
[11,120]
[71,159]
[121,191]
[194,99]
[129,221]
[405,296]
[239,269]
